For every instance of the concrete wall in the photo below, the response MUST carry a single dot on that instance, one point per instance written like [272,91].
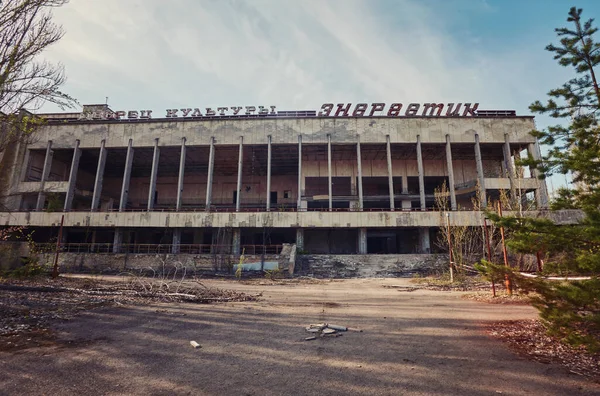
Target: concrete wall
[147,263]
[371,265]
[272,219]
[313,130]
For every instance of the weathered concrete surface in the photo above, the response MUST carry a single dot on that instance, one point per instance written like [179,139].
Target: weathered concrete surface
[263,219]
[419,343]
[150,263]
[368,265]
[313,130]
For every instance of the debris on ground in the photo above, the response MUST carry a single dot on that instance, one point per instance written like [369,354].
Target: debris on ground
[327,330]
[401,288]
[195,344]
[529,338]
[501,297]
[28,307]
[461,283]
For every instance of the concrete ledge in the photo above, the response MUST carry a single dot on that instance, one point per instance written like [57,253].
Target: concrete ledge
[264,219]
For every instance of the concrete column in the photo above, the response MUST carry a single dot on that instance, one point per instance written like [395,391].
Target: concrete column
[236,242]
[72,177]
[176,248]
[99,177]
[93,241]
[118,240]
[450,174]
[126,177]
[404,184]
[329,172]
[541,193]
[153,175]
[360,184]
[480,175]
[211,167]
[238,201]
[390,174]
[300,238]
[421,174]
[180,178]
[299,203]
[45,173]
[510,169]
[362,241]
[268,173]
[424,240]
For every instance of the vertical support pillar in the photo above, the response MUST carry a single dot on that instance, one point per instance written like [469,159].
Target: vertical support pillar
[450,173]
[153,176]
[329,172]
[236,242]
[390,174]
[299,203]
[510,169]
[180,178]
[239,177]
[45,173]
[72,177]
[126,177]
[404,184]
[300,238]
[424,240]
[421,174]
[118,240]
[362,241]
[176,247]
[480,175]
[360,184]
[99,177]
[211,168]
[541,193]
[268,173]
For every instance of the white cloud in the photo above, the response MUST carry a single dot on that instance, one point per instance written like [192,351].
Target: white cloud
[294,54]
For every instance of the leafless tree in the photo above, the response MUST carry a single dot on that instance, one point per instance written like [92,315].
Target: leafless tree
[26,81]
[26,30]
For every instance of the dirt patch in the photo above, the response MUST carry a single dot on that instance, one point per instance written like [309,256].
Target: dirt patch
[302,280]
[528,338]
[28,308]
[461,283]
[501,298]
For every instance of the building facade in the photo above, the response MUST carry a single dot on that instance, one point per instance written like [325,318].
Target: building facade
[332,182]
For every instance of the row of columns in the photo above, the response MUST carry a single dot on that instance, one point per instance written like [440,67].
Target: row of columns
[542,194]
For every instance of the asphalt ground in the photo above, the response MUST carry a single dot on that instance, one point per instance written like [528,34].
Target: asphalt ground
[413,343]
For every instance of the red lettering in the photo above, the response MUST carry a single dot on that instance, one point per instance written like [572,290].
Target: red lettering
[450,112]
[394,110]
[431,107]
[342,111]
[359,110]
[412,109]
[376,107]
[470,110]
[326,110]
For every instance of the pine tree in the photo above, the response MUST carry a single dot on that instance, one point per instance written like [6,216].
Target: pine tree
[570,309]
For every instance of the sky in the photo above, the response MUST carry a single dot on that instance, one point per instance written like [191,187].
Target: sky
[299,54]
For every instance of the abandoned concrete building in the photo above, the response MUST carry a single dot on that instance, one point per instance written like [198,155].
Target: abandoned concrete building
[348,183]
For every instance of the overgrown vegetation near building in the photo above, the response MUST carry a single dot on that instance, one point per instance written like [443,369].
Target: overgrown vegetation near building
[569,308]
